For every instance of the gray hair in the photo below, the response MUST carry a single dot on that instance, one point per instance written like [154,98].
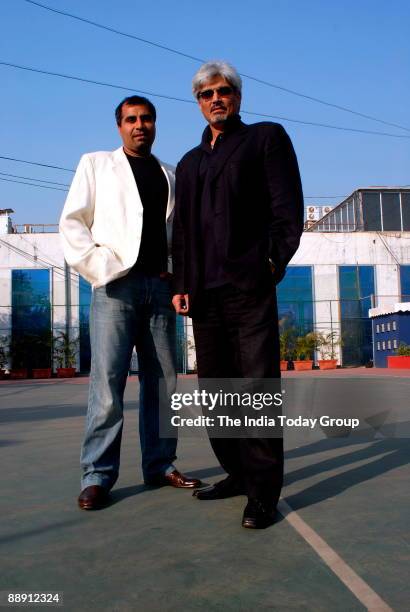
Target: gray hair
[216,68]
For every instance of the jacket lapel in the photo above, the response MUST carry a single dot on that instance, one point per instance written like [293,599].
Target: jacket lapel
[171,187]
[122,169]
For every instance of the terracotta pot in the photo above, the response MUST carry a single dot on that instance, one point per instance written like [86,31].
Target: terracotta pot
[65,372]
[301,365]
[399,362]
[18,373]
[327,364]
[41,372]
[283,365]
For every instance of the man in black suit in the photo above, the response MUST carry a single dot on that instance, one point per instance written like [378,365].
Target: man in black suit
[238,222]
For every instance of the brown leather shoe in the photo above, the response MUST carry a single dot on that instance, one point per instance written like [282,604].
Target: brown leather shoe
[175,479]
[93,498]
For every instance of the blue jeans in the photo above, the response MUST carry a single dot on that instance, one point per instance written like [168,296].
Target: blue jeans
[135,310]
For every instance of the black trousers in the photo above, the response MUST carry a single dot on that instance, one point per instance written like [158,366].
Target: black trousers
[236,336]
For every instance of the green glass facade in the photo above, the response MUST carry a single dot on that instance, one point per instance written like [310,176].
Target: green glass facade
[295,299]
[84,296]
[356,288]
[405,283]
[31,319]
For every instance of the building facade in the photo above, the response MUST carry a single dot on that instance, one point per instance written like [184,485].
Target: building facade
[347,263]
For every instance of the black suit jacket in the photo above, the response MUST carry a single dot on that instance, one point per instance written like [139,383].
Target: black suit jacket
[258,207]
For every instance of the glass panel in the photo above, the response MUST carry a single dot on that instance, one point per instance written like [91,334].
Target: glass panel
[405,210]
[356,288]
[295,299]
[391,211]
[344,219]
[350,215]
[182,357]
[357,212]
[405,283]
[371,211]
[84,315]
[31,319]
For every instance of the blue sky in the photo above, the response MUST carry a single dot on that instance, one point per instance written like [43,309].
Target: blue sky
[355,54]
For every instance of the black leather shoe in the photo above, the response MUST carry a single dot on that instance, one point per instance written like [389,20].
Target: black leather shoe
[221,490]
[258,515]
[93,498]
[174,479]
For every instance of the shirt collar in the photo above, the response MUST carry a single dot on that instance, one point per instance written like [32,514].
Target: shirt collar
[232,125]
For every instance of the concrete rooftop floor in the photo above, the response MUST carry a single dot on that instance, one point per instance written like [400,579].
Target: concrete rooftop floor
[160,549]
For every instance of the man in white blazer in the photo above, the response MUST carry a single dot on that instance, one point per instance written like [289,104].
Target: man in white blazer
[115,229]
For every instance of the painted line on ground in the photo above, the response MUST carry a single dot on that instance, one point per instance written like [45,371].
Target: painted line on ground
[360,589]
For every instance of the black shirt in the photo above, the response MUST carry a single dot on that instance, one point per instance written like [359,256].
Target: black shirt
[153,189]
[214,274]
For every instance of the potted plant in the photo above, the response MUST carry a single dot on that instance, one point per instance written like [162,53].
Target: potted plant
[31,352]
[40,354]
[402,357]
[305,347]
[18,355]
[287,342]
[65,353]
[327,343]
[3,355]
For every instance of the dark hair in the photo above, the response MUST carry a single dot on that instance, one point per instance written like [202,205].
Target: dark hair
[135,101]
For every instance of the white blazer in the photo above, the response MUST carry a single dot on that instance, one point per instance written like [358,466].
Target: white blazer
[101,223]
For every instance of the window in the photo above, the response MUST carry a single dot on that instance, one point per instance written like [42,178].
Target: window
[382,327]
[388,326]
[84,315]
[395,344]
[377,329]
[384,345]
[350,213]
[391,211]
[378,346]
[389,344]
[356,286]
[344,227]
[295,299]
[394,325]
[371,211]
[358,213]
[405,282]
[405,210]
[31,319]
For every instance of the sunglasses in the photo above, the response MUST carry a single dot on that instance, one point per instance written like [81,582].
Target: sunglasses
[223,91]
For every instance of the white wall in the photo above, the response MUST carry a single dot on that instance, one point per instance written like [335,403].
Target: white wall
[324,251]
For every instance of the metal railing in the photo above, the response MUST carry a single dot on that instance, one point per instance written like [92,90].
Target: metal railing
[347,319]
[35,228]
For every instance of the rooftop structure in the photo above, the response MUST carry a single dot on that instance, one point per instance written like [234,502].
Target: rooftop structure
[369,209]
